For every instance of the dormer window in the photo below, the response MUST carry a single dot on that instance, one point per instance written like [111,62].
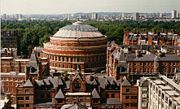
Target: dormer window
[77,85]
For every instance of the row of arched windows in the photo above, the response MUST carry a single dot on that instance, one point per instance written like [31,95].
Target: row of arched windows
[77,59]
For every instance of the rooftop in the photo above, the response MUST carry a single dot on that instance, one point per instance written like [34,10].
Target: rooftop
[78,30]
[113,101]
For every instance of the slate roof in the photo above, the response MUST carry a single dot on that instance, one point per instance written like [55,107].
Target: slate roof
[28,83]
[88,81]
[77,76]
[111,80]
[113,101]
[54,81]
[146,58]
[94,82]
[60,82]
[118,82]
[59,95]
[170,57]
[103,82]
[67,84]
[151,57]
[33,64]
[125,82]
[39,83]
[47,81]
[95,94]
[130,57]
[119,55]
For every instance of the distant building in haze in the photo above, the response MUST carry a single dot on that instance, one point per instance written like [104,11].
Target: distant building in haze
[10,39]
[94,16]
[174,14]
[135,16]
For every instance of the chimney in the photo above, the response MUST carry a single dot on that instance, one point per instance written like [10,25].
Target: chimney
[138,53]
[160,54]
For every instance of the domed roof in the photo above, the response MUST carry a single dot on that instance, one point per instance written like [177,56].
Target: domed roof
[77,30]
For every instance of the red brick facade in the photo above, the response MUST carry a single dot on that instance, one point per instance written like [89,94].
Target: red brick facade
[77,44]
[140,62]
[95,92]
[170,39]
[129,97]
[90,57]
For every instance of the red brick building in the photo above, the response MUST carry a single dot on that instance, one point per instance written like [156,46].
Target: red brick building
[12,73]
[98,92]
[25,96]
[76,44]
[140,61]
[15,72]
[10,38]
[9,64]
[149,38]
[129,95]
[8,52]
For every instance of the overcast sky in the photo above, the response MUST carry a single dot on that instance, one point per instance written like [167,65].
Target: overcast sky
[73,6]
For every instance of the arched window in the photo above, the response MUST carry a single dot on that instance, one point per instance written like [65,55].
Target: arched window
[59,58]
[62,58]
[12,66]
[71,59]
[5,69]
[26,91]
[77,59]
[77,84]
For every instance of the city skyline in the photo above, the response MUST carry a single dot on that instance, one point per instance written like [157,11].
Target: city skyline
[61,7]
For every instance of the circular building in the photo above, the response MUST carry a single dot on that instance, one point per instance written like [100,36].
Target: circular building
[77,44]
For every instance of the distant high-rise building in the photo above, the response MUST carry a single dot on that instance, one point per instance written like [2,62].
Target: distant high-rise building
[20,16]
[135,16]
[123,15]
[178,15]
[161,15]
[4,16]
[174,14]
[94,16]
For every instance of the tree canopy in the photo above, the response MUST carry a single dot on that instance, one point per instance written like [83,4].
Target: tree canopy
[35,33]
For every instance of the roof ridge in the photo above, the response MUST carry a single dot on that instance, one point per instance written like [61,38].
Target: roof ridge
[95,93]
[28,83]
[125,82]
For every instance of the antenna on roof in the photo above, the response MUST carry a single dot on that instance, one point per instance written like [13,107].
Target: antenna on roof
[78,68]
[77,23]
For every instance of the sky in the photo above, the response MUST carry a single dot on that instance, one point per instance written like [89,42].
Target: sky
[74,6]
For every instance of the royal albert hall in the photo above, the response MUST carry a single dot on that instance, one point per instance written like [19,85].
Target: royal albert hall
[77,44]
